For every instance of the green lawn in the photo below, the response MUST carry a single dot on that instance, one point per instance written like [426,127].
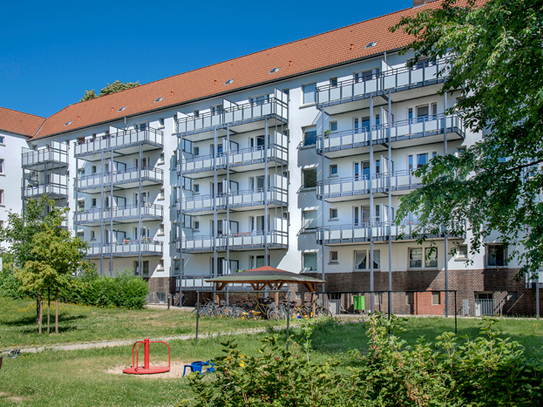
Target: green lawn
[84,378]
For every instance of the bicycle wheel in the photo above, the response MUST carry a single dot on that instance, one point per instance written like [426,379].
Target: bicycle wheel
[277,314]
[322,312]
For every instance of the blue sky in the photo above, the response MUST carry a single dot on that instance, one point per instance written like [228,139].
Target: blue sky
[51,52]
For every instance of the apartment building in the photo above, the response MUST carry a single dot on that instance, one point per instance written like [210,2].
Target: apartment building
[295,157]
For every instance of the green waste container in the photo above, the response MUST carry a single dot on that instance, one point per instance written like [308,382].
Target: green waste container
[359,302]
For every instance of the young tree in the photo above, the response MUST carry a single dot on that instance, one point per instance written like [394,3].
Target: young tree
[45,254]
[116,86]
[496,61]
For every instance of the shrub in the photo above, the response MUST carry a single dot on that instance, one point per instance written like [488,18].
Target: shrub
[480,372]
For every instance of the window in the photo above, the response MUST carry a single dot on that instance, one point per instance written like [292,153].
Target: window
[370,44]
[1,165]
[274,70]
[196,188]
[160,231]
[259,100]
[93,235]
[462,251]
[333,170]
[309,93]
[361,260]
[196,225]
[258,261]
[93,202]
[161,159]
[430,257]
[196,151]
[366,75]
[161,122]
[309,177]
[333,126]
[309,219]
[1,197]
[460,151]
[410,298]
[160,194]
[333,82]
[495,254]
[436,298]
[422,160]
[2,139]
[93,169]
[415,258]
[334,257]
[309,261]
[333,213]
[144,271]
[410,162]
[310,136]
[80,205]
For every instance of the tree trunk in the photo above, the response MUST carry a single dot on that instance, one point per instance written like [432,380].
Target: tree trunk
[56,313]
[40,310]
[48,310]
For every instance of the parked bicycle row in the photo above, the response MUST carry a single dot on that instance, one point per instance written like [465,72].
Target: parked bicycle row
[264,308]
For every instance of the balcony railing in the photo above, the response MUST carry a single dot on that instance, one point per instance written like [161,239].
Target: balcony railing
[236,241]
[191,282]
[120,213]
[363,232]
[250,197]
[399,130]
[121,139]
[394,80]
[129,175]
[55,153]
[353,186]
[236,113]
[46,189]
[132,248]
[246,156]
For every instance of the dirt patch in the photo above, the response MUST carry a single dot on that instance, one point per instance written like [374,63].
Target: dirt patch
[14,399]
[176,371]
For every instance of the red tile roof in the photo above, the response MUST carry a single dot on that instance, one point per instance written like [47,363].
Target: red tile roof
[19,123]
[320,51]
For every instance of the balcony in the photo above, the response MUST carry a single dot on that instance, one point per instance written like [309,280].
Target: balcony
[362,233]
[51,190]
[254,198]
[236,241]
[119,214]
[350,188]
[353,94]
[129,141]
[252,158]
[127,249]
[243,117]
[54,155]
[403,133]
[129,178]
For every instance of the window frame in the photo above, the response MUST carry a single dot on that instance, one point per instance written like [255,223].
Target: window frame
[310,187]
[306,90]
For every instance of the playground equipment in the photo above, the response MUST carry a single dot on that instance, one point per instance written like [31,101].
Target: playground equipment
[197,367]
[146,369]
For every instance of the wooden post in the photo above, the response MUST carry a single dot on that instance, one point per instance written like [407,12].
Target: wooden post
[217,293]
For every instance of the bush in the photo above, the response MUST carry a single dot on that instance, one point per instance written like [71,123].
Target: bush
[485,371]
[9,285]
[125,290]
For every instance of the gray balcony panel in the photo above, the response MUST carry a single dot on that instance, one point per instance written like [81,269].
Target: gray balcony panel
[52,190]
[125,249]
[55,155]
[236,241]
[126,178]
[119,214]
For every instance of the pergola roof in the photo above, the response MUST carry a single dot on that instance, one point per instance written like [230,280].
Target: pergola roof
[261,277]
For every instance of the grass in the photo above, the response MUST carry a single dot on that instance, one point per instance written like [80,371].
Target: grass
[66,378]
[78,323]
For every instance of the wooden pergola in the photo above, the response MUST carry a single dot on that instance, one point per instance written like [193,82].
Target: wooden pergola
[266,276]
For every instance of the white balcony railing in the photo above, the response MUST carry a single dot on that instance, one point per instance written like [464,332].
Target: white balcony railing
[46,189]
[363,232]
[54,153]
[120,177]
[352,186]
[251,197]
[119,213]
[235,113]
[121,139]
[125,248]
[247,156]
[243,240]
[399,130]
[394,80]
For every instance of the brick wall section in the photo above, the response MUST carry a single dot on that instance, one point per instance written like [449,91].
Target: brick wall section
[501,282]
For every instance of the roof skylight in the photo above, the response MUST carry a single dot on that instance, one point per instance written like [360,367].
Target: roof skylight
[274,70]
[158,99]
[68,123]
[121,109]
[371,44]
[228,82]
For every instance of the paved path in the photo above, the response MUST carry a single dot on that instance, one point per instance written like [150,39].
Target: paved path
[110,344]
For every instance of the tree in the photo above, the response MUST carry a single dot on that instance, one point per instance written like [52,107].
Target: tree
[496,61]
[45,254]
[114,87]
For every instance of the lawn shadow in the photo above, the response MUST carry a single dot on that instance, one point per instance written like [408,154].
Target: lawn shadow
[27,320]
